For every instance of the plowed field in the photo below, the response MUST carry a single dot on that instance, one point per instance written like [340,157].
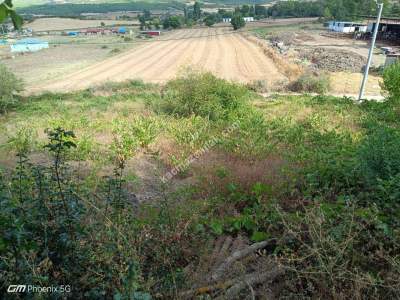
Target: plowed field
[219,50]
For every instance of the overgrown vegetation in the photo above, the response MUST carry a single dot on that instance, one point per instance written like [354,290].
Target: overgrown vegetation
[201,94]
[9,86]
[312,82]
[311,183]
[391,81]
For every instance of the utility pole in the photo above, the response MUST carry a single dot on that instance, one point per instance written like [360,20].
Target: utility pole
[371,51]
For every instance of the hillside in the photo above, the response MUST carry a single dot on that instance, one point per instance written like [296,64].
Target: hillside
[25,3]
[171,189]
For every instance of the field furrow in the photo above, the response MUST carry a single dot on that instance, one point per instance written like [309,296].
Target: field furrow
[218,50]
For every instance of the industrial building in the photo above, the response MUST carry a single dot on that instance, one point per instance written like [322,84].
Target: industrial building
[389,29]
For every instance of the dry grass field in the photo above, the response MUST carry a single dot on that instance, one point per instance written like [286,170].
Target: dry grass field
[48,24]
[65,55]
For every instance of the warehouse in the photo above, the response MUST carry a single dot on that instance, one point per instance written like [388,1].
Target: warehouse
[389,29]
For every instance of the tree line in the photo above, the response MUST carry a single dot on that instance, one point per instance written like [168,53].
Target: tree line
[195,15]
[75,10]
[329,9]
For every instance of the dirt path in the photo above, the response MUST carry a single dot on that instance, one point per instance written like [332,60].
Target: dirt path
[218,50]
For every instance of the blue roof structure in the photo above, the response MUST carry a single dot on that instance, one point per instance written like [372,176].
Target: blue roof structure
[122,30]
[3,42]
[30,41]
[29,45]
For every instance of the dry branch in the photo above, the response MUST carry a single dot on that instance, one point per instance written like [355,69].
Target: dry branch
[252,279]
[222,269]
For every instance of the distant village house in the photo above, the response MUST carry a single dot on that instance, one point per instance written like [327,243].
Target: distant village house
[246,19]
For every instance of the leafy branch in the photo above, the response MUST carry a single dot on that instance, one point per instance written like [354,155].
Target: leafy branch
[6,10]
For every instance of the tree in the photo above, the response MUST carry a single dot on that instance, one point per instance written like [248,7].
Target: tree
[196,10]
[172,22]
[142,21]
[245,10]
[210,20]
[224,13]
[327,14]
[156,23]
[146,14]
[102,24]
[260,10]
[237,22]
[6,10]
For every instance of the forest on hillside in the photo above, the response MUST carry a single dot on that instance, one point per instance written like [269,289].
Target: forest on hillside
[329,9]
[332,9]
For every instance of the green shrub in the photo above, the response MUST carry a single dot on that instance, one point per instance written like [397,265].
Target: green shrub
[312,83]
[237,22]
[202,94]
[9,86]
[391,81]
[379,165]
[379,154]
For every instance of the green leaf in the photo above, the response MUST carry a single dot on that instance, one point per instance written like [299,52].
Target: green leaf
[16,19]
[259,236]
[8,3]
[3,13]
[141,296]
[117,296]
[217,227]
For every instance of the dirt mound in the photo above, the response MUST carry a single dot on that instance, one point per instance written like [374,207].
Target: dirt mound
[333,60]
[290,38]
[292,71]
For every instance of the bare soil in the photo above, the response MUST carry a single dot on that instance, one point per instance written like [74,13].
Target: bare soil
[219,50]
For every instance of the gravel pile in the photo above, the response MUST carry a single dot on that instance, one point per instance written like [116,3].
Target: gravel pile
[333,60]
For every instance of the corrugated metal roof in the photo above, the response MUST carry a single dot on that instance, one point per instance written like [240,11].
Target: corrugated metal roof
[30,41]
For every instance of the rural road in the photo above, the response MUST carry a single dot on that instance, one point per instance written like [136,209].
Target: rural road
[226,54]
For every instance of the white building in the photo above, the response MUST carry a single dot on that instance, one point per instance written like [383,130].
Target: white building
[246,19]
[346,27]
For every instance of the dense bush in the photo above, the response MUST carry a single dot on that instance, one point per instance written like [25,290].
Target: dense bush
[238,21]
[54,232]
[202,94]
[391,81]
[9,86]
[173,22]
[312,83]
